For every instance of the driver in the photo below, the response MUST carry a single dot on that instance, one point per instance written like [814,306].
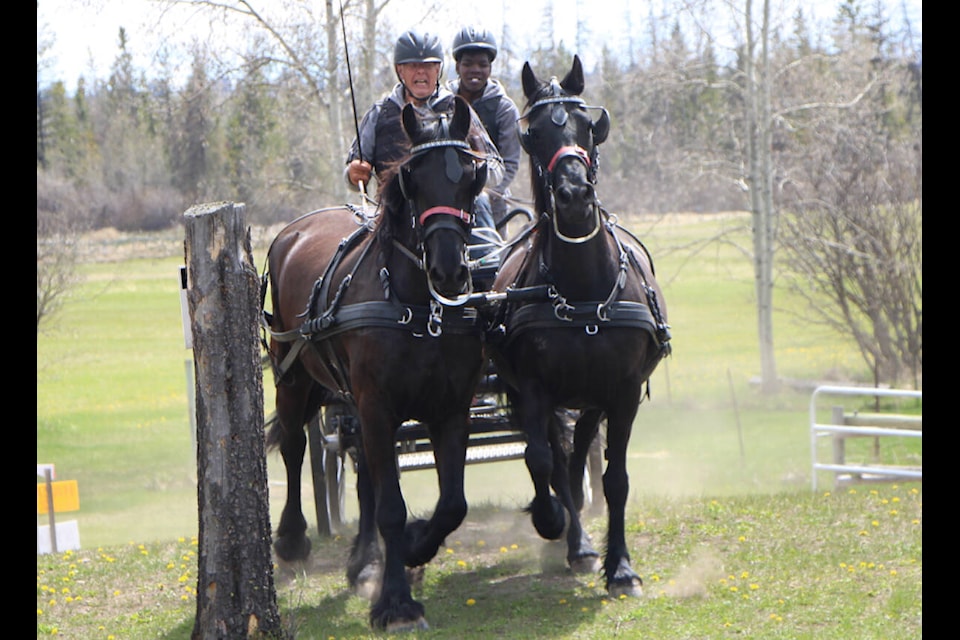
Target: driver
[418,62]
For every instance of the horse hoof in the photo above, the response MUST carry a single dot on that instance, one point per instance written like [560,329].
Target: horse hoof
[407,626]
[586,564]
[292,549]
[631,589]
[549,522]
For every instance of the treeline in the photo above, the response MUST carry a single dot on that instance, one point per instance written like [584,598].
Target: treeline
[135,149]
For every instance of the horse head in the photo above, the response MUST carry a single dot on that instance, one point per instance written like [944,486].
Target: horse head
[562,140]
[440,181]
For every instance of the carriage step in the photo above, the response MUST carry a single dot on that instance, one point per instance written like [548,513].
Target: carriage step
[475,454]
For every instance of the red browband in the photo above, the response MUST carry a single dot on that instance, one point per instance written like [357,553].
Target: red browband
[563,152]
[450,211]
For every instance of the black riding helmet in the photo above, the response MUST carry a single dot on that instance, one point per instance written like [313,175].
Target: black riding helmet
[473,38]
[413,46]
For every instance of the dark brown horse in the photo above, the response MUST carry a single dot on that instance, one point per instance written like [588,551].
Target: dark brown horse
[372,315]
[592,341]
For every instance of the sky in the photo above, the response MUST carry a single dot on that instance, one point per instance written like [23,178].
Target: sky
[85,32]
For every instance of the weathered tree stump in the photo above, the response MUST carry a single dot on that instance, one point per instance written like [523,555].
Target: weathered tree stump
[236,597]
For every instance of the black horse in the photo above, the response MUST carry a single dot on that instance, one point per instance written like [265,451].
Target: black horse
[594,337]
[372,315]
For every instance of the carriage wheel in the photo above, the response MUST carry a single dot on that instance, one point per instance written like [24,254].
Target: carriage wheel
[327,468]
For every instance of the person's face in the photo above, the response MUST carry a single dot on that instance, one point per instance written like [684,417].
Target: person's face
[474,70]
[420,78]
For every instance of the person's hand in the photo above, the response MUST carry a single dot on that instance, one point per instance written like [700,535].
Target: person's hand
[359,170]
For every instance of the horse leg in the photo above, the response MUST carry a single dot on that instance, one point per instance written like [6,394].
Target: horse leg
[581,556]
[449,441]
[620,577]
[364,567]
[545,510]
[395,609]
[585,431]
[291,543]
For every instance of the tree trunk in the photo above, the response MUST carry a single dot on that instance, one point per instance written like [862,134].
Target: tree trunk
[236,597]
[761,193]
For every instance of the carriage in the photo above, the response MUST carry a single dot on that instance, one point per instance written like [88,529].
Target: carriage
[382,348]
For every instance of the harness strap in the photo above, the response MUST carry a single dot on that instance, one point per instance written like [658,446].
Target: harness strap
[582,315]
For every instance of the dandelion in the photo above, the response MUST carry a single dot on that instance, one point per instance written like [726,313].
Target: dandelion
[461,563]
[893,572]
[754,586]
[915,521]
[826,494]
[895,499]
[864,532]
[481,543]
[742,539]
[875,523]
[563,601]
[39,611]
[734,588]
[852,492]
[655,578]
[449,551]
[514,547]
[503,549]
[591,584]
[893,512]
[745,575]
[623,596]
[471,602]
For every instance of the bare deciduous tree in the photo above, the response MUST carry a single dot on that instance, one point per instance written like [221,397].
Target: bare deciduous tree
[57,249]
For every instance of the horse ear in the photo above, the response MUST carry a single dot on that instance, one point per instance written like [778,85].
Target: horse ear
[411,123]
[530,83]
[462,118]
[573,82]
[601,128]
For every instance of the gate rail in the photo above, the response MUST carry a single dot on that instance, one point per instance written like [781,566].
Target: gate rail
[846,426]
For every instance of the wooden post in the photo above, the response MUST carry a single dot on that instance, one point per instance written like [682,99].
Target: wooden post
[51,518]
[236,597]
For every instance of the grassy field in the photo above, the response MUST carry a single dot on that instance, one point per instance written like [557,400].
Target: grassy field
[712,461]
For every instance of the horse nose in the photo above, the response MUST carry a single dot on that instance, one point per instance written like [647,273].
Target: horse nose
[450,281]
[569,194]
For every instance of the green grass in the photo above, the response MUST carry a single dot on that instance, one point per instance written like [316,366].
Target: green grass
[787,565]
[711,460]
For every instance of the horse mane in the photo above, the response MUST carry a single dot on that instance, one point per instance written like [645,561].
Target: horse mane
[391,199]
